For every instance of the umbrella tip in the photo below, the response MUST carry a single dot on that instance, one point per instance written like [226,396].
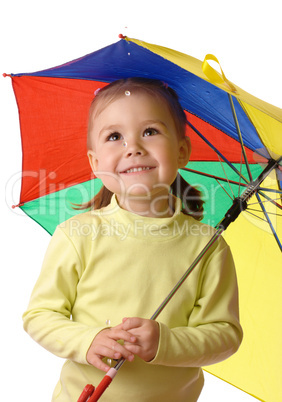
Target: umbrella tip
[6,75]
[121,36]
[18,205]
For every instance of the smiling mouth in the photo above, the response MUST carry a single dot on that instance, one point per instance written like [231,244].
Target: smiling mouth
[138,169]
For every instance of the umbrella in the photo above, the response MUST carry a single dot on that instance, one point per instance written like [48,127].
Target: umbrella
[227,126]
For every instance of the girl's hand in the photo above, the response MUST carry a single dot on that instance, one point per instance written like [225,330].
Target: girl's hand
[146,333]
[105,345]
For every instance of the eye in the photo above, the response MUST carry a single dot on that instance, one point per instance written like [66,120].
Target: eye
[114,137]
[150,131]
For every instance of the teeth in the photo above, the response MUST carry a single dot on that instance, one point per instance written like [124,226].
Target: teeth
[137,169]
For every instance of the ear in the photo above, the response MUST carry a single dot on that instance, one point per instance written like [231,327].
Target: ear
[184,152]
[93,161]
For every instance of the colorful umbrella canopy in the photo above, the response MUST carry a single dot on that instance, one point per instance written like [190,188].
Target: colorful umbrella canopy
[53,110]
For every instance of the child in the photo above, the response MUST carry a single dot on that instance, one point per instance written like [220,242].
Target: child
[107,270]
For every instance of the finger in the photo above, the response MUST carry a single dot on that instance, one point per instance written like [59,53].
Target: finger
[131,323]
[115,351]
[134,349]
[97,362]
[120,334]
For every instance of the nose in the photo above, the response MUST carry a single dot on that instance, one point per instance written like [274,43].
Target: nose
[133,148]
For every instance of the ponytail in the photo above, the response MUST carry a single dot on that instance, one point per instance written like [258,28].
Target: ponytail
[192,204]
[100,200]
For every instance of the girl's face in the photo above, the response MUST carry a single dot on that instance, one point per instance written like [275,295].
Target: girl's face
[136,151]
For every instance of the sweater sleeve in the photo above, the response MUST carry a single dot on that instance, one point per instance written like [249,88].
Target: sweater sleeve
[48,317]
[213,332]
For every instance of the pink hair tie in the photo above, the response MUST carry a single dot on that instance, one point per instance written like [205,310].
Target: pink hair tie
[165,84]
[97,91]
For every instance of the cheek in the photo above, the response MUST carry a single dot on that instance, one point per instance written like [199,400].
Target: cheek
[169,159]
[107,160]
[112,182]
[102,156]
[170,167]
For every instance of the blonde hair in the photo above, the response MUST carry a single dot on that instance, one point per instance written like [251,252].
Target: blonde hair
[190,196]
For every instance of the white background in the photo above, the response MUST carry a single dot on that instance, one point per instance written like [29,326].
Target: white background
[244,35]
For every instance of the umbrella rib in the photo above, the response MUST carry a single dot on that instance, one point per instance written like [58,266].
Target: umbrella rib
[269,222]
[240,180]
[270,190]
[227,179]
[217,151]
[273,200]
[270,200]
[257,210]
[256,216]
[225,190]
[214,177]
[240,136]
[238,184]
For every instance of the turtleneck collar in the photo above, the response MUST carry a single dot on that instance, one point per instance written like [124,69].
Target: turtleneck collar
[127,223]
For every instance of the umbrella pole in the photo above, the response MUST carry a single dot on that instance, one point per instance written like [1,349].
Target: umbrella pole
[107,379]
[239,205]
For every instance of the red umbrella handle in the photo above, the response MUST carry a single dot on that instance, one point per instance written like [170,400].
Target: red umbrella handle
[91,394]
[86,393]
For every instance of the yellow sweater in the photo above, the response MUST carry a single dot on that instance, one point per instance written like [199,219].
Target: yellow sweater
[105,265]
